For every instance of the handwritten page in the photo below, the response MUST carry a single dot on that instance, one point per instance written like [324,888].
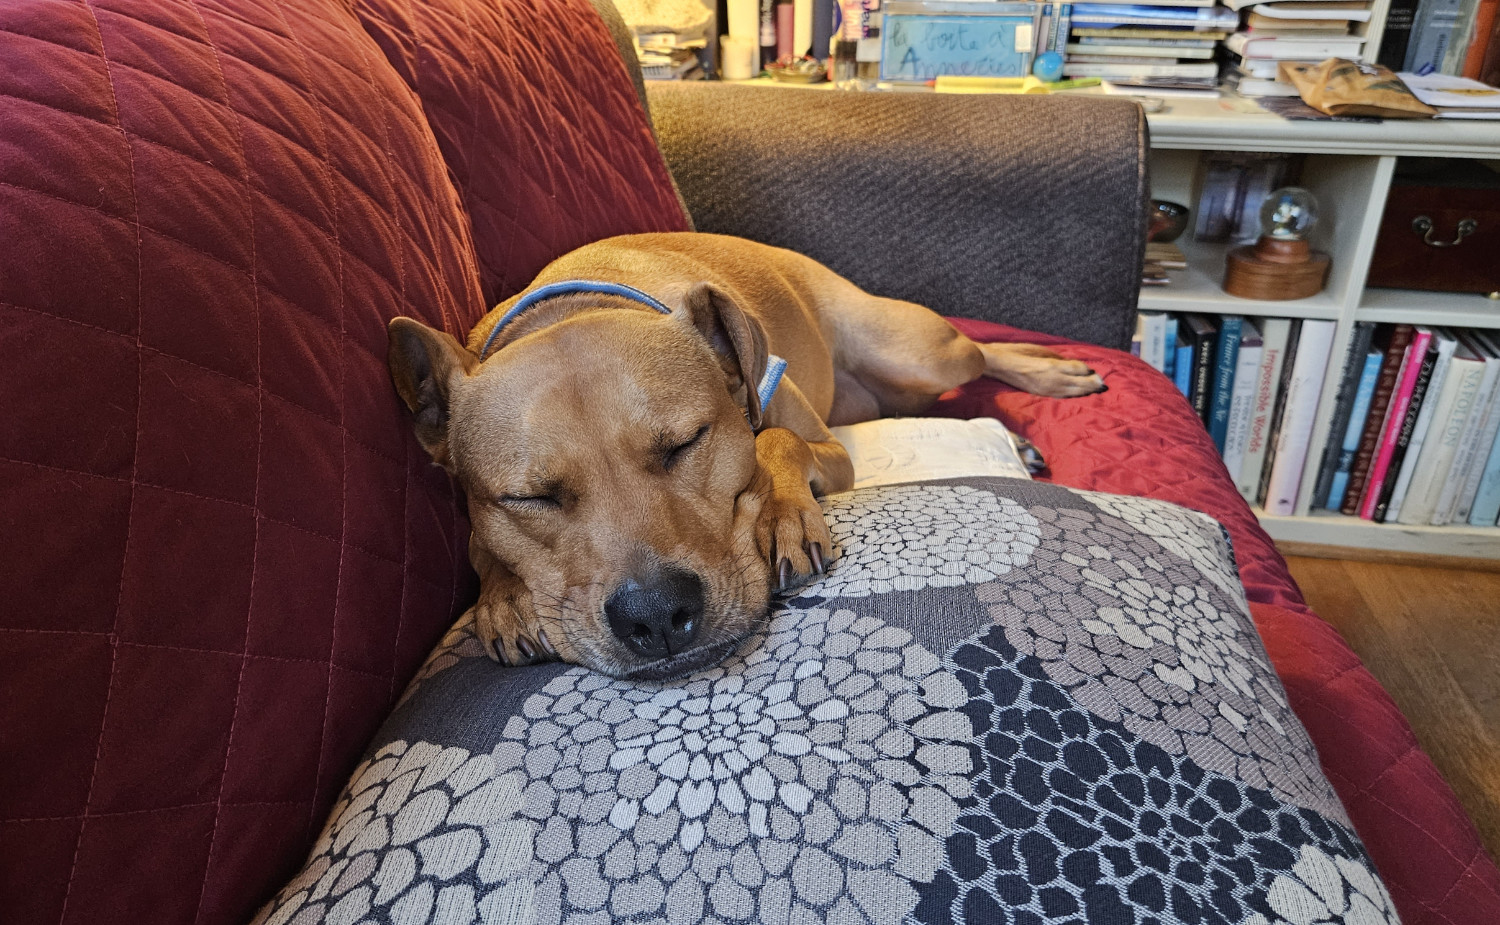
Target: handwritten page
[890,451]
[926,46]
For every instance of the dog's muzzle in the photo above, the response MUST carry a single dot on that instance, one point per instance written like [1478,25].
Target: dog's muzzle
[659,614]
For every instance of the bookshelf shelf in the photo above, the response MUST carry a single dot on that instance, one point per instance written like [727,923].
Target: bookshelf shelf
[1349,166]
[1326,528]
[1460,309]
[1197,289]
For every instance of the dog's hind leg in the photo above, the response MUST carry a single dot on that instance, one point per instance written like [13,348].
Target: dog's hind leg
[895,358]
[1034,368]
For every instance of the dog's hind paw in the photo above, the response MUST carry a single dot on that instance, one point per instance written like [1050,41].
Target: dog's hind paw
[1040,371]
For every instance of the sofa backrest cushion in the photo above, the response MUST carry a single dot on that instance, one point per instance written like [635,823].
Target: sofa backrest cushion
[224,552]
[535,113]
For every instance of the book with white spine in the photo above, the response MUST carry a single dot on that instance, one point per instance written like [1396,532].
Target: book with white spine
[1468,442]
[1313,348]
[1242,398]
[1274,335]
[1491,428]
[1451,412]
[1153,325]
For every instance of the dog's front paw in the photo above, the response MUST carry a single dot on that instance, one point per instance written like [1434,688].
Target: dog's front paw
[504,619]
[793,537]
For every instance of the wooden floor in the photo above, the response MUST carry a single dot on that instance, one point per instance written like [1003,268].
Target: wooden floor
[1432,637]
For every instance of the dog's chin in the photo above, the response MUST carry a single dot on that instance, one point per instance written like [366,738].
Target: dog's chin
[681,664]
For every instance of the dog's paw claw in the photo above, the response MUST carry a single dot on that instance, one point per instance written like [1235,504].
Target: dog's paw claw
[501,620]
[794,539]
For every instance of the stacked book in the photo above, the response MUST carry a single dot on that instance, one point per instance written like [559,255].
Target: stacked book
[1166,43]
[1415,435]
[1256,383]
[1161,257]
[1300,31]
[1454,97]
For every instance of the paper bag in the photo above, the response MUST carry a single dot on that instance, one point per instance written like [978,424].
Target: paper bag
[1340,87]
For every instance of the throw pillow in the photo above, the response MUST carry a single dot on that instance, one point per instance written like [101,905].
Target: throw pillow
[1007,702]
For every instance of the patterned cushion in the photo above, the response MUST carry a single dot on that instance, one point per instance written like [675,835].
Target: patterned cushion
[1142,438]
[1007,702]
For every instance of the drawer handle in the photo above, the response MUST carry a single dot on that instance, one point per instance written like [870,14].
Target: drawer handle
[1422,225]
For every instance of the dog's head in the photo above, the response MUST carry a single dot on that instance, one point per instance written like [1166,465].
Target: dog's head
[609,462]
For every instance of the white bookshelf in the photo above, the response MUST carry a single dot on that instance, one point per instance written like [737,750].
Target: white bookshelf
[1349,168]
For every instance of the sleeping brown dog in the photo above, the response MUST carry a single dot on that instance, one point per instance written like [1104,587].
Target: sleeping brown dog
[633,503]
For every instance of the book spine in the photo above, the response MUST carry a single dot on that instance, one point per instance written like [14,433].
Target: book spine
[1468,446]
[1442,443]
[1470,492]
[1484,25]
[1044,29]
[1385,386]
[1486,510]
[1409,423]
[1227,354]
[1182,375]
[1203,364]
[1430,407]
[1278,415]
[1205,69]
[1151,339]
[1241,406]
[1313,347]
[1275,333]
[1169,346]
[1416,358]
[1064,24]
[1431,32]
[822,30]
[1398,22]
[1352,430]
[1385,423]
[1343,406]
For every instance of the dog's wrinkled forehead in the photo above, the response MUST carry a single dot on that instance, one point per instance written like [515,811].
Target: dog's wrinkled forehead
[583,379]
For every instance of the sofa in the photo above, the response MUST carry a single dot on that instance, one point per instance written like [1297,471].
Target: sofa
[226,555]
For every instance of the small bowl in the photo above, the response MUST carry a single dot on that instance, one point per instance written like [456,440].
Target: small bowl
[1167,220]
[804,70]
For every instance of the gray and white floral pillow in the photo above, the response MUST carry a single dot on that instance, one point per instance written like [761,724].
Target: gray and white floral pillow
[1007,702]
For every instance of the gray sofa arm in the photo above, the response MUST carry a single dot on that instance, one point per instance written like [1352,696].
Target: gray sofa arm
[1024,210]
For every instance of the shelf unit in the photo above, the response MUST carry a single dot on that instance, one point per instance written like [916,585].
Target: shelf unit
[1349,167]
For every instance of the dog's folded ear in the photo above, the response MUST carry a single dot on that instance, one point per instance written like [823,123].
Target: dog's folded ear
[736,337]
[425,365]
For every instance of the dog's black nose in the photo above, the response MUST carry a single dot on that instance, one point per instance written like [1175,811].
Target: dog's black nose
[659,614]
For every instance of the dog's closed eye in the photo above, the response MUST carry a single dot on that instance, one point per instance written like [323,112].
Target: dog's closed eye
[533,503]
[672,454]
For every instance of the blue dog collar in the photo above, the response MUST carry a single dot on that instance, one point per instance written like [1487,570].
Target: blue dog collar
[569,287]
[775,365]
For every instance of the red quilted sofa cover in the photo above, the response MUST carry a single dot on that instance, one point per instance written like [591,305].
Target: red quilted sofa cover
[225,552]
[1141,437]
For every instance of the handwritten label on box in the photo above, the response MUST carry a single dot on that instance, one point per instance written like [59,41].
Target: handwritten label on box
[923,46]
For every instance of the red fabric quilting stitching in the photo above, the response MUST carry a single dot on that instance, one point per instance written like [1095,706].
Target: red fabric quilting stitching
[260,425]
[135,455]
[157,809]
[142,483]
[343,435]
